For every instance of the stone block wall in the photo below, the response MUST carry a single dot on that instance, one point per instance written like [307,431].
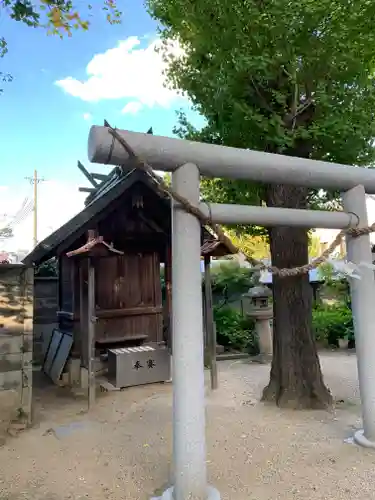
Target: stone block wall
[16,344]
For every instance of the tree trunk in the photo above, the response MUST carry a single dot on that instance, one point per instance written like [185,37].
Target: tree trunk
[296,380]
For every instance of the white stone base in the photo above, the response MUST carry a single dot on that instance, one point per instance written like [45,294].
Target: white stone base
[212,494]
[360,439]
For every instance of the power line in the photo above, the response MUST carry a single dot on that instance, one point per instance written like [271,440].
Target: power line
[21,215]
[25,210]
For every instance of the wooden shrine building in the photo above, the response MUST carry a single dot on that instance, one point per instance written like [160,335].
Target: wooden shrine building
[129,222]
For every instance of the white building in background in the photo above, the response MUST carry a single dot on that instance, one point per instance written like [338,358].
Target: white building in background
[13,257]
[326,236]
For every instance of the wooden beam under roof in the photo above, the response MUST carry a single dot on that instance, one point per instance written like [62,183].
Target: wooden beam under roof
[99,177]
[86,190]
[150,223]
[87,174]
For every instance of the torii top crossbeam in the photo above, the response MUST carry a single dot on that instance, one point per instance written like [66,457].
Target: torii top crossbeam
[167,154]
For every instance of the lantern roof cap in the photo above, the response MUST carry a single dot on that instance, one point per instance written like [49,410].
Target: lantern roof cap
[258,292]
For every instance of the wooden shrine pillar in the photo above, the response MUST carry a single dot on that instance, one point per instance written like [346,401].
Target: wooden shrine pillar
[210,323]
[94,248]
[168,296]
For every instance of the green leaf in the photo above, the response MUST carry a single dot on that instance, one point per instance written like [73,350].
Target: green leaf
[304,85]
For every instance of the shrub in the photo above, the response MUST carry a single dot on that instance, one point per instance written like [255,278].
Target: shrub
[229,282]
[332,322]
[229,278]
[234,331]
[47,269]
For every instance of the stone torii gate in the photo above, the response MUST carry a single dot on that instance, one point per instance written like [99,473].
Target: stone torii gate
[187,160]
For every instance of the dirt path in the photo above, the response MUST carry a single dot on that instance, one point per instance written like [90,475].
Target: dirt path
[122,449]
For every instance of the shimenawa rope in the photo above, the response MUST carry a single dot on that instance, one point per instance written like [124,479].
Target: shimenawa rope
[164,189]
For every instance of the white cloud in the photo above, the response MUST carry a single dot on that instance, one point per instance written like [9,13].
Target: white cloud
[127,71]
[87,116]
[132,107]
[57,203]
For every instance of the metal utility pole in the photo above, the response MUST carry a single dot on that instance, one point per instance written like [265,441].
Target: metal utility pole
[35,180]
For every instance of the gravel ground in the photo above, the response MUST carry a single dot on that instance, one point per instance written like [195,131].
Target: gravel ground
[122,449]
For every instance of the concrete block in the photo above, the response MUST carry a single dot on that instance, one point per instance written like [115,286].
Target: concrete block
[11,276]
[11,324]
[15,361]
[65,379]
[74,370]
[84,378]
[11,380]
[10,344]
[10,362]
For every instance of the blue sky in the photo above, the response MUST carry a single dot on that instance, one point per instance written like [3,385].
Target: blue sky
[45,127]
[48,108]
[59,89]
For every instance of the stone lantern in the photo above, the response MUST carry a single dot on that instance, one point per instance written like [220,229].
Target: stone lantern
[255,304]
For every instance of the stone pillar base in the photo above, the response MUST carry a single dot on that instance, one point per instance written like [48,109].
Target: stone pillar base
[264,333]
[212,494]
[360,439]
[74,372]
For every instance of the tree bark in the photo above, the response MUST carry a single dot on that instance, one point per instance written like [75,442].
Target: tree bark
[296,380]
